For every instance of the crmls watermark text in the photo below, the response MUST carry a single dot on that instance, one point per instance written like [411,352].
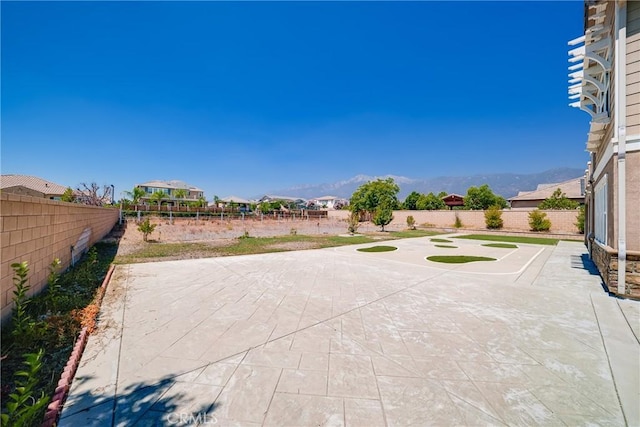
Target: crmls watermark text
[179,418]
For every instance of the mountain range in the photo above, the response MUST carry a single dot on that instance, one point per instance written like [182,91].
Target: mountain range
[505,184]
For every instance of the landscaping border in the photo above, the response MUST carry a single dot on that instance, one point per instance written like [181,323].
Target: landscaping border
[66,378]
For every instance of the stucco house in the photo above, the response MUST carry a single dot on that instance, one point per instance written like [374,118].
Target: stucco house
[297,202]
[573,189]
[170,189]
[605,83]
[33,186]
[329,202]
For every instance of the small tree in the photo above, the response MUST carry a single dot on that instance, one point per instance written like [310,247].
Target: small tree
[68,195]
[146,228]
[580,220]
[538,221]
[353,222]
[558,201]
[180,194]
[93,195]
[136,194]
[411,222]
[457,223]
[383,215]
[158,196]
[493,218]
[480,198]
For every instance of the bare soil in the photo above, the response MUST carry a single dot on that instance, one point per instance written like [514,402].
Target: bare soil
[218,232]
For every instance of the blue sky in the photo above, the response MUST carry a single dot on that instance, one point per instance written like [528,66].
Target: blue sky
[245,98]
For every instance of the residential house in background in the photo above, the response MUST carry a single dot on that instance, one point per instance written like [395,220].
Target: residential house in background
[237,203]
[173,190]
[329,202]
[605,83]
[572,189]
[27,185]
[287,201]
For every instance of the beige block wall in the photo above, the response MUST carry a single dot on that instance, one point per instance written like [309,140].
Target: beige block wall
[633,68]
[514,220]
[38,231]
[633,200]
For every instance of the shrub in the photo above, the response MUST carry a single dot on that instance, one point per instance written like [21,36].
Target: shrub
[411,222]
[146,228]
[493,218]
[580,220]
[457,223]
[538,221]
[353,222]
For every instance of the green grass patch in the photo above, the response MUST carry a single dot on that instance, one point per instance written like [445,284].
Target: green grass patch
[510,239]
[412,233]
[378,249]
[445,246]
[458,259]
[501,245]
[441,240]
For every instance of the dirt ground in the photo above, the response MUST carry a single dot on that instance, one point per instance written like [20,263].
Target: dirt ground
[222,232]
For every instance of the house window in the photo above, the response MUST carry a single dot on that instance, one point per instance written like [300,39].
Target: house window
[600,217]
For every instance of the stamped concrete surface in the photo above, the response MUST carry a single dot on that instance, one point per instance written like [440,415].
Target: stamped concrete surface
[340,337]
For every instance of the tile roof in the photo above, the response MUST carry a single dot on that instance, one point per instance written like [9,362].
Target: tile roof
[32,183]
[236,199]
[571,188]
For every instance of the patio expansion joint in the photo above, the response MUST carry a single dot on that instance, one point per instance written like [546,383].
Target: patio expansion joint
[627,320]
[124,310]
[604,346]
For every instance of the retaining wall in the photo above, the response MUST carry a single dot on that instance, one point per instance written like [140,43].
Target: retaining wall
[515,219]
[38,231]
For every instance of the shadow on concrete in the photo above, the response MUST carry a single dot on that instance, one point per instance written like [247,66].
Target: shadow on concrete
[583,262]
[157,403]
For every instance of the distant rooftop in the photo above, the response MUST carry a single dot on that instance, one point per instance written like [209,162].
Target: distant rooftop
[173,184]
[572,188]
[33,183]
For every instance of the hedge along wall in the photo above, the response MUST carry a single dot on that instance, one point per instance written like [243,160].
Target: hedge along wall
[514,219]
[38,231]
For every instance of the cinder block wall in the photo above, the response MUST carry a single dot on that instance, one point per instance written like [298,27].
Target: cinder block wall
[38,231]
[515,219]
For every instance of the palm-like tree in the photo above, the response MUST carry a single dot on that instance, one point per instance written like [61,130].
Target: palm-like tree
[136,194]
[180,194]
[158,196]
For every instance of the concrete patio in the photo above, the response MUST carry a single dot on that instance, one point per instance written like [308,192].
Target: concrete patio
[339,337]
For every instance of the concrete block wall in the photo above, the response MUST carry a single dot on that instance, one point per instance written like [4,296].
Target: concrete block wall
[38,231]
[515,219]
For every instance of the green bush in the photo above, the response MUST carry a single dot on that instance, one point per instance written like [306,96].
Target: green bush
[146,228]
[558,201]
[411,222]
[580,220]
[493,218]
[457,223]
[538,221]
